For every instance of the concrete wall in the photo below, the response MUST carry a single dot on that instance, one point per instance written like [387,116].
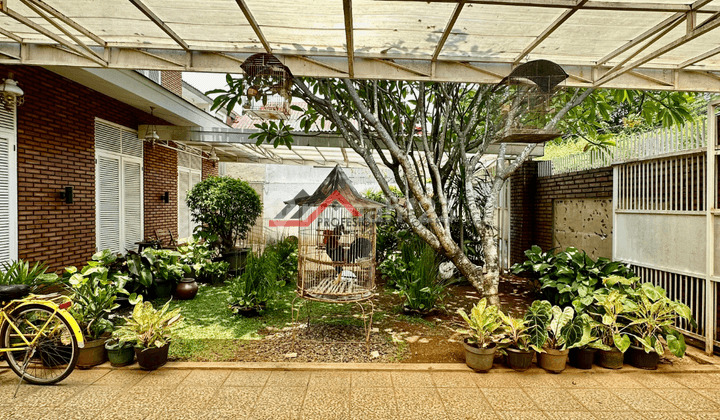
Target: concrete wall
[584,223]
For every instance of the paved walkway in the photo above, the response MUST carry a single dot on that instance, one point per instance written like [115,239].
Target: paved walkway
[261,391]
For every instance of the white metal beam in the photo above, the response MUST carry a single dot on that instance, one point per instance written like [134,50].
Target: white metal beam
[254,25]
[705,27]
[71,23]
[10,35]
[448,29]
[162,25]
[590,5]
[549,30]
[699,58]
[349,41]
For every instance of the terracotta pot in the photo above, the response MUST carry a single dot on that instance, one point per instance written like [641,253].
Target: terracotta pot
[519,360]
[553,360]
[638,358]
[151,359]
[92,354]
[479,359]
[612,359]
[582,358]
[187,289]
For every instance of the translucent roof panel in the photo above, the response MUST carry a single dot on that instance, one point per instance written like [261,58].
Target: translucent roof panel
[441,40]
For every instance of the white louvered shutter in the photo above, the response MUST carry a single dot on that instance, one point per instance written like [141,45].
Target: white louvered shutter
[195,178]
[183,211]
[8,187]
[108,210]
[132,204]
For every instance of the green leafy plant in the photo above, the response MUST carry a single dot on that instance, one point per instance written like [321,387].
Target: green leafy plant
[21,272]
[154,266]
[418,283]
[537,318]
[225,208]
[149,327]
[94,289]
[570,274]
[516,331]
[257,285]
[390,230]
[286,251]
[486,324]
[652,319]
[609,310]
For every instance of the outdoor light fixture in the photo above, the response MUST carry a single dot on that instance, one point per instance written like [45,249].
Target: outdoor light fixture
[214,157]
[165,197]
[151,134]
[12,95]
[67,195]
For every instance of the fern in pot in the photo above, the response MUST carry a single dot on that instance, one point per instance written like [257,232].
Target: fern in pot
[257,285]
[486,332]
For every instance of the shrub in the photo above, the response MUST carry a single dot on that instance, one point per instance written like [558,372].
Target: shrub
[390,229]
[154,266]
[568,275]
[198,255]
[148,327]
[20,272]
[418,278]
[286,251]
[225,208]
[253,289]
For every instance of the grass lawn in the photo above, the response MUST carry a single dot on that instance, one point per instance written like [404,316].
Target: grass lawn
[211,332]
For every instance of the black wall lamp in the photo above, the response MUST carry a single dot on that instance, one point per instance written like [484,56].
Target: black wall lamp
[67,195]
[165,197]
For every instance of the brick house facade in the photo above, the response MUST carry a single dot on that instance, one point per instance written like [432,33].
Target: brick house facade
[56,148]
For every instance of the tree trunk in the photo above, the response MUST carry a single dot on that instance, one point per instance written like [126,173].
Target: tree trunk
[474,274]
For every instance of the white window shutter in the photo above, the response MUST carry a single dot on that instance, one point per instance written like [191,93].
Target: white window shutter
[132,204]
[183,211]
[108,209]
[8,199]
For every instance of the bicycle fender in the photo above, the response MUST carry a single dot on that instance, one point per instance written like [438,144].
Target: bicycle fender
[66,315]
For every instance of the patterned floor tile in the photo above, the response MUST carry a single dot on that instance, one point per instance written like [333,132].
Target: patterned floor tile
[688,400]
[371,380]
[419,403]
[247,378]
[205,377]
[330,380]
[412,380]
[497,380]
[599,400]
[455,379]
[464,402]
[288,379]
[644,400]
[163,378]
[92,398]
[326,403]
[372,403]
[521,415]
[121,378]
[508,399]
[550,399]
[279,403]
[239,399]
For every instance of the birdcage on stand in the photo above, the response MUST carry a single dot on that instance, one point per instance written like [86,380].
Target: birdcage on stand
[268,85]
[336,248]
[529,106]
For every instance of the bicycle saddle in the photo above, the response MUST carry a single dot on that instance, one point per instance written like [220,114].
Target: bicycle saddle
[13,291]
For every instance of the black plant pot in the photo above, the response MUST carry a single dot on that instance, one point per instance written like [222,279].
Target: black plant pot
[519,360]
[582,358]
[162,289]
[637,357]
[236,259]
[151,359]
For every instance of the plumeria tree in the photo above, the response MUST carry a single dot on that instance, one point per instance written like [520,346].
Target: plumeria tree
[430,135]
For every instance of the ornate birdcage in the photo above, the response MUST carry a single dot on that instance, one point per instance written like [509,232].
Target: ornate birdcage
[268,87]
[528,109]
[336,247]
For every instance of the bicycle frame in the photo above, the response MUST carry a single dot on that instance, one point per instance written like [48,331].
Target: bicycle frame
[57,309]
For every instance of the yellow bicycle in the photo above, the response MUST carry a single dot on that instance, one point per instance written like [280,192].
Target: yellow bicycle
[39,338]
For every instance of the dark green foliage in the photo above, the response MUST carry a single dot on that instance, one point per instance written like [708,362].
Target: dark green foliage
[286,250]
[415,274]
[390,230]
[569,274]
[20,272]
[154,266]
[198,256]
[258,284]
[225,208]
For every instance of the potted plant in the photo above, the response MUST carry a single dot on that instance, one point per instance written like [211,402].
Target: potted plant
[156,271]
[226,209]
[651,326]
[251,291]
[519,351]
[609,308]
[150,331]
[486,330]
[582,355]
[119,353]
[94,289]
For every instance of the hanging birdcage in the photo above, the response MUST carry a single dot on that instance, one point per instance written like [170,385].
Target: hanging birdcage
[268,87]
[336,250]
[529,108]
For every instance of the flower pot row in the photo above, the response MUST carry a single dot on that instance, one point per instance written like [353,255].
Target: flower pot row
[99,351]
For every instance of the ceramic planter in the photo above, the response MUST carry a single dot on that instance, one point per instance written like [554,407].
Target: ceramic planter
[519,360]
[187,289]
[638,358]
[236,259]
[612,359]
[92,354]
[122,356]
[479,359]
[153,358]
[553,360]
[162,289]
[582,358]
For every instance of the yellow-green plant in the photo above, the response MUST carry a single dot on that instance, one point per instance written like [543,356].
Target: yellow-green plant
[149,327]
[486,325]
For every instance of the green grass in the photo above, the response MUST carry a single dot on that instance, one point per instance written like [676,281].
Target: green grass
[211,332]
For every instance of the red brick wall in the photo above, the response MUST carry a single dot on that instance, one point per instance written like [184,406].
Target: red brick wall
[56,149]
[160,176]
[209,168]
[531,212]
[172,81]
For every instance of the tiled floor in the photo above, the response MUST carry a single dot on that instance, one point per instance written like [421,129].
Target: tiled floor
[171,393]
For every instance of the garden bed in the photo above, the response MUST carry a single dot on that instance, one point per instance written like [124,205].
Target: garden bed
[210,332]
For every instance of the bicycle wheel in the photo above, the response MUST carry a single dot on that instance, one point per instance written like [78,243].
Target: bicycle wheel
[52,356]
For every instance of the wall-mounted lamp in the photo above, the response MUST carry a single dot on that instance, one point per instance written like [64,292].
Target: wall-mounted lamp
[165,197]
[214,157]
[151,134]
[67,195]
[10,93]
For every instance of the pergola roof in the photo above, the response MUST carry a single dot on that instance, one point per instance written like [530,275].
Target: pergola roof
[650,44]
